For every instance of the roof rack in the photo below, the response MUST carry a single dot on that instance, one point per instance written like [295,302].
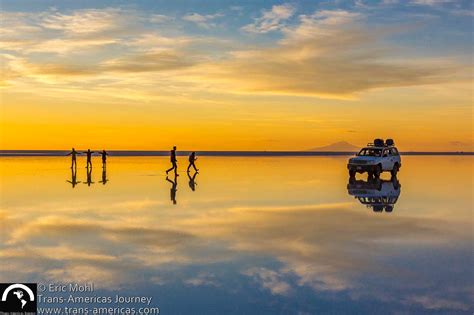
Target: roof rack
[381,143]
[370,144]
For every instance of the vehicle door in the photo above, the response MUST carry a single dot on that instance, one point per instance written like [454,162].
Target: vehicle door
[396,155]
[387,163]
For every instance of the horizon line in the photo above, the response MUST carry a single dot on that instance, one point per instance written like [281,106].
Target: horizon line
[32,153]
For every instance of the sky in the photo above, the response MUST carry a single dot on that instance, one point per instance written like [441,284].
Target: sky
[236,75]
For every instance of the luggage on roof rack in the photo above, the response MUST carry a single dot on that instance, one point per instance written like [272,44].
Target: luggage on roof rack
[389,142]
[378,142]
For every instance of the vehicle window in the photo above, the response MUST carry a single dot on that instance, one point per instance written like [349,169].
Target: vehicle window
[394,151]
[386,153]
[370,152]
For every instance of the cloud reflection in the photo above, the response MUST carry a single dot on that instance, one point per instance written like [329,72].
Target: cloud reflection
[281,247]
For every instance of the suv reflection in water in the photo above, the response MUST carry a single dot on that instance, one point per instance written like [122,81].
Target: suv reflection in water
[375,193]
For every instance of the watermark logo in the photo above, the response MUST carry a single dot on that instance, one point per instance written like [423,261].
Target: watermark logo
[18,298]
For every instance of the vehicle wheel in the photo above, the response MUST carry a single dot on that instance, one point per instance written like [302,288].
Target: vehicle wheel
[352,174]
[395,169]
[378,171]
[396,183]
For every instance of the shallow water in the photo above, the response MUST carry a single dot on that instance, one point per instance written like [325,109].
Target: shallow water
[265,235]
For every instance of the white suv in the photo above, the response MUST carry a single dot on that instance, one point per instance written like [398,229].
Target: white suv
[376,158]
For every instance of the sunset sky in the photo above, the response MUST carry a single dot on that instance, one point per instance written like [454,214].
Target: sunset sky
[236,75]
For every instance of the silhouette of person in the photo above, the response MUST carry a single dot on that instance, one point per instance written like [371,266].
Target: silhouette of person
[192,159]
[104,157]
[174,188]
[88,153]
[89,177]
[73,180]
[73,155]
[192,181]
[174,162]
[104,176]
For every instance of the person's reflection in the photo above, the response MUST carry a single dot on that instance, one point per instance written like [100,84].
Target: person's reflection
[192,181]
[173,189]
[104,176]
[73,180]
[375,193]
[89,177]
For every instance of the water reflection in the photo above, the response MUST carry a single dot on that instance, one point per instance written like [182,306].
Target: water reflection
[73,180]
[192,180]
[89,176]
[104,176]
[104,180]
[297,244]
[375,193]
[174,187]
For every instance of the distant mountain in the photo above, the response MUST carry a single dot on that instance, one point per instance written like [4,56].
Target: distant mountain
[338,146]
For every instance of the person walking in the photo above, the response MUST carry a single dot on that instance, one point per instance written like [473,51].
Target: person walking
[88,154]
[73,155]
[174,162]
[192,159]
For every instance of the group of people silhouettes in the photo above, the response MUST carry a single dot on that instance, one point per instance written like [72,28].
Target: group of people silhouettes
[88,154]
[174,167]
[174,162]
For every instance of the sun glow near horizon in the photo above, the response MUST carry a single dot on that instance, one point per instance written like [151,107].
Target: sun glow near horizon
[283,76]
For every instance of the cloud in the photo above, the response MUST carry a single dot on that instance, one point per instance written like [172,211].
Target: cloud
[149,52]
[203,21]
[328,54]
[158,42]
[78,32]
[202,279]
[271,20]
[49,227]
[12,68]
[463,12]
[160,18]
[439,303]
[312,247]
[360,4]
[67,46]
[270,279]
[106,278]
[323,246]
[430,2]
[87,21]
[149,62]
